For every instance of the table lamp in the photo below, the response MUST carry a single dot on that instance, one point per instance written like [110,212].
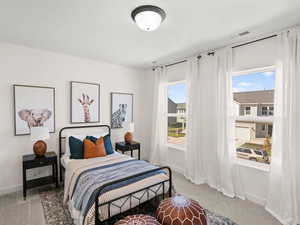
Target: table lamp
[128,137]
[38,135]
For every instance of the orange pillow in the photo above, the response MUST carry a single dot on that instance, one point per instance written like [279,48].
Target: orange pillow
[92,150]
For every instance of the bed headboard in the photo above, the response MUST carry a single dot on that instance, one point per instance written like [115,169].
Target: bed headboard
[61,136]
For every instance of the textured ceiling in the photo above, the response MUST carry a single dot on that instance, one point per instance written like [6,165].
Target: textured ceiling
[103,29]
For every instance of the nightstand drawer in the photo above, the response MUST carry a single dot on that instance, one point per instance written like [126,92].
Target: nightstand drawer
[37,163]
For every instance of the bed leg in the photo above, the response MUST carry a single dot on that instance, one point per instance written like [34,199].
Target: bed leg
[60,174]
[170,183]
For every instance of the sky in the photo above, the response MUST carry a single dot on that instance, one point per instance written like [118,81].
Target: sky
[253,82]
[177,92]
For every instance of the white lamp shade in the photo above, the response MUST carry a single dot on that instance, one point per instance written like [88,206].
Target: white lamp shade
[130,127]
[148,20]
[39,133]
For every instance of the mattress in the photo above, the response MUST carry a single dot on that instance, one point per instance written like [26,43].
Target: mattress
[75,167]
[65,159]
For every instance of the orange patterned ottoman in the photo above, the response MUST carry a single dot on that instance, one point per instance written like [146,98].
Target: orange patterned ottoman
[180,210]
[138,220]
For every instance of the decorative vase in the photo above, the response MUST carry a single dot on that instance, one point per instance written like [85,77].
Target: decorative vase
[128,138]
[39,148]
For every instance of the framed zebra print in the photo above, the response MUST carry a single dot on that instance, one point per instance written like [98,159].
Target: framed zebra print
[121,109]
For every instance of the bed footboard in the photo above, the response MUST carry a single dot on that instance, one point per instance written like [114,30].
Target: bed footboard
[129,196]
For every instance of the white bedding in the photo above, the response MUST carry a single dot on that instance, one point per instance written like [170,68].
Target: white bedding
[75,167]
[65,159]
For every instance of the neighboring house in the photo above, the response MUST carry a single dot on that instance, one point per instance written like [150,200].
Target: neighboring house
[172,108]
[176,108]
[253,104]
[181,109]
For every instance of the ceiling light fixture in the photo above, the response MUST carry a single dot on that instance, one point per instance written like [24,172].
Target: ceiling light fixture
[148,17]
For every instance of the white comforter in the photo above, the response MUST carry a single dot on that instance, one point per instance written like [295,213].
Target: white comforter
[76,167]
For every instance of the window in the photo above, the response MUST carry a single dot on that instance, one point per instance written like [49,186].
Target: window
[177,114]
[271,111]
[247,110]
[258,152]
[253,94]
[264,111]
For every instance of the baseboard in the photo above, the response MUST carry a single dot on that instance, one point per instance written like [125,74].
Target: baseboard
[177,169]
[10,189]
[256,199]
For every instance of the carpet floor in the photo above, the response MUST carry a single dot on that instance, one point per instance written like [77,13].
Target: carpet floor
[58,214]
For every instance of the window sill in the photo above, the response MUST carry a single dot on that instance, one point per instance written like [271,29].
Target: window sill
[176,147]
[255,165]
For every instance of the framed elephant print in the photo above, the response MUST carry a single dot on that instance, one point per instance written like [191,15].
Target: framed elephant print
[85,102]
[121,109]
[34,106]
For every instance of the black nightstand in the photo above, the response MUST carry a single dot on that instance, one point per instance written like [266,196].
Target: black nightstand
[123,147]
[31,161]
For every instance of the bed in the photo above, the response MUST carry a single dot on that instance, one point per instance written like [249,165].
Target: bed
[99,190]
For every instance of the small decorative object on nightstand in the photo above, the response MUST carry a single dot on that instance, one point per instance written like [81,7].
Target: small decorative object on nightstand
[38,135]
[123,147]
[31,161]
[128,137]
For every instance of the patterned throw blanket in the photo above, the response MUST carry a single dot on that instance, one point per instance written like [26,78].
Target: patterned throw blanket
[84,192]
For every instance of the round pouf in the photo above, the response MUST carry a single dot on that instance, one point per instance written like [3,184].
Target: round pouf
[180,210]
[138,220]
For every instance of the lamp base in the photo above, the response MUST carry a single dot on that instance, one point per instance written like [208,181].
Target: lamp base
[128,138]
[39,148]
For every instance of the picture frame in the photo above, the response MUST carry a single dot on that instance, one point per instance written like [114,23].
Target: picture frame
[84,102]
[33,106]
[121,109]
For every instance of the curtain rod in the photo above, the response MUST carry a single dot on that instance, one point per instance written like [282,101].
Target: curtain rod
[212,52]
[251,42]
[175,63]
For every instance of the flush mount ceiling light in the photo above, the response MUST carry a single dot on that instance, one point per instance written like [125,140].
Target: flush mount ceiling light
[148,17]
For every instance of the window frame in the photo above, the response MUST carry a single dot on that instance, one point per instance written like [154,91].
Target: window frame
[246,118]
[247,111]
[170,145]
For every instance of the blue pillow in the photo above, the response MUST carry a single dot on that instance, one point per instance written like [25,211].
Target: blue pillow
[92,138]
[107,143]
[76,148]
[108,146]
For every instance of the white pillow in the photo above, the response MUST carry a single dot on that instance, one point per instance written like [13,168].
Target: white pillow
[67,146]
[98,135]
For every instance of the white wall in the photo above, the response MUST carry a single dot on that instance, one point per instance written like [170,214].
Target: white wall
[22,65]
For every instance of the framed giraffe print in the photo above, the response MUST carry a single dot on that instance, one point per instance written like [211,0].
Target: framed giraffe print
[85,102]
[34,106]
[121,109]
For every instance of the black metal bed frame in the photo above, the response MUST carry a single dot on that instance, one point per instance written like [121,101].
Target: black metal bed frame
[128,196]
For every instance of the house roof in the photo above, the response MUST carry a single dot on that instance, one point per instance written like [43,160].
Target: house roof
[170,101]
[259,97]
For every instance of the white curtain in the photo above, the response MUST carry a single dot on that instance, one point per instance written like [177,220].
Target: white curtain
[194,169]
[159,121]
[210,137]
[283,199]
[225,122]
